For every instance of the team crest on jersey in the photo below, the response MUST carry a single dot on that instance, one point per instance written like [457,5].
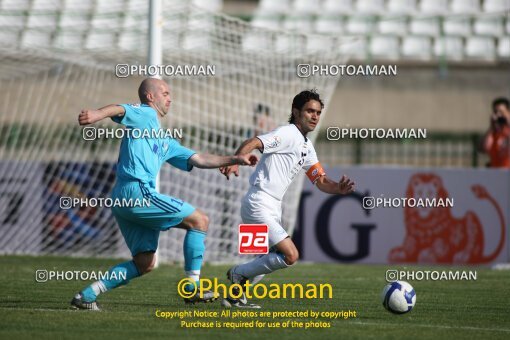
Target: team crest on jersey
[275,142]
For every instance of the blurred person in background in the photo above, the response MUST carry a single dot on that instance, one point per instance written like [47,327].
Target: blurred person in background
[262,120]
[496,141]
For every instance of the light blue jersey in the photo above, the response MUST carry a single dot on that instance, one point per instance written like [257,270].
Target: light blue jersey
[141,158]
[139,162]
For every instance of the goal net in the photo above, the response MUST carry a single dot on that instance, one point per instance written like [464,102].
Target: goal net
[57,57]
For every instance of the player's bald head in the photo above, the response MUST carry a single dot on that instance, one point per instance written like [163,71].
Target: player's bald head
[148,85]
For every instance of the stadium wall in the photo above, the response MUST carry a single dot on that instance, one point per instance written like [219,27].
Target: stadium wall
[454,98]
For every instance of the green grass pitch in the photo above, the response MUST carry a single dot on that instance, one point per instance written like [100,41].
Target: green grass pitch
[445,309]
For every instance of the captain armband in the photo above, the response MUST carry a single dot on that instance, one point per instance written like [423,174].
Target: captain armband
[315,172]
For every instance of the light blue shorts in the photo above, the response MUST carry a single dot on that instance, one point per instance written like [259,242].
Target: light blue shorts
[141,226]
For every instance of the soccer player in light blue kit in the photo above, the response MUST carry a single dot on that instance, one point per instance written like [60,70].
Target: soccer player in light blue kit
[138,165]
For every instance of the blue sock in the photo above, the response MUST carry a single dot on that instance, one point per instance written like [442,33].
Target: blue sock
[194,248]
[119,275]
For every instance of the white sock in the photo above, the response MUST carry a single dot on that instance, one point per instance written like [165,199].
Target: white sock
[193,274]
[262,265]
[256,279]
[98,287]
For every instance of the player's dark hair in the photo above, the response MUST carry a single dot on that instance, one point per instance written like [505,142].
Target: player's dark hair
[302,98]
[500,101]
[142,93]
[146,86]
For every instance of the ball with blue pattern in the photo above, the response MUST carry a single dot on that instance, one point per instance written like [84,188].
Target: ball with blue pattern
[398,297]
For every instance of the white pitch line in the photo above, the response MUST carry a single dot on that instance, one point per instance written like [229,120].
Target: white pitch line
[435,326]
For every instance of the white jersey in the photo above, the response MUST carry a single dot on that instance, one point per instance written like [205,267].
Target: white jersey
[286,152]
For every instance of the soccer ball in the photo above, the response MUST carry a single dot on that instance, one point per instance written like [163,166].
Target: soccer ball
[398,297]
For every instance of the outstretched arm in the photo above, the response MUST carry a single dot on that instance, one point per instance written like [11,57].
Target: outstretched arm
[92,116]
[249,145]
[245,149]
[344,187]
[207,161]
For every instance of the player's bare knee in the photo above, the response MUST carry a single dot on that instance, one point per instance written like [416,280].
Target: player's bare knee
[150,266]
[203,222]
[292,257]
[145,270]
[143,267]
[145,262]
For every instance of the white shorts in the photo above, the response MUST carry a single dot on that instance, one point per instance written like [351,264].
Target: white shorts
[257,207]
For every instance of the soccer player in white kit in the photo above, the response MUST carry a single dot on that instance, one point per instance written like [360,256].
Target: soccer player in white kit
[285,151]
